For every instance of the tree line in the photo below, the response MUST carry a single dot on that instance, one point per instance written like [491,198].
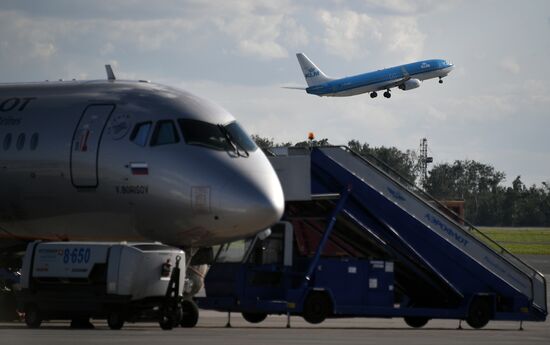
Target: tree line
[488,202]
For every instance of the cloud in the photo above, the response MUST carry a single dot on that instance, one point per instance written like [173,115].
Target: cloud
[43,49]
[482,108]
[436,113]
[538,92]
[347,33]
[263,32]
[351,35]
[257,29]
[255,35]
[509,64]
[408,7]
[24,39]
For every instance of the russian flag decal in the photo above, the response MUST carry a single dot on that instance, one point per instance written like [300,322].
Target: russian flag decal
[139,168]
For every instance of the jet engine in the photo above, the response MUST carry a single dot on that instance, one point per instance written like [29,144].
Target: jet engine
[410,84]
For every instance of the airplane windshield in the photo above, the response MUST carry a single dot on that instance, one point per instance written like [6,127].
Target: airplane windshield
[230,137]
[204,134]
[240,137]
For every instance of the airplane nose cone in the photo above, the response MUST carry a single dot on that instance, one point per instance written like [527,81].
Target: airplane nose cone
[252,203]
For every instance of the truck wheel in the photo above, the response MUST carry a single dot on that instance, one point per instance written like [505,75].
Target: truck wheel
[479,313]
[316,308]
[254,317]
[416,321]
[189,314]
[33,319]
[166,322]
[8,306]
[115,320]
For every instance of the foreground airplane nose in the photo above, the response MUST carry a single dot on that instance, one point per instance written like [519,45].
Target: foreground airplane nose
[252,203]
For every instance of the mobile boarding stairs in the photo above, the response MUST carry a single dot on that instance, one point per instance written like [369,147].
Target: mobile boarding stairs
[445,267]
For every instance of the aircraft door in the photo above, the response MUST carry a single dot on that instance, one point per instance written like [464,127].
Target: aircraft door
[86,142]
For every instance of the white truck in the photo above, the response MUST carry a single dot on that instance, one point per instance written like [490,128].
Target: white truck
[114,281]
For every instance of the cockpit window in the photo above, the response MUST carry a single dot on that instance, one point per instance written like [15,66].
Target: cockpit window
[165,133]
[202,133]
[140,134]
[230,137]
[240,137]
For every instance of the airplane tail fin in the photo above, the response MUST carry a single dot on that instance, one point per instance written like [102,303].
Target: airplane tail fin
[314,76]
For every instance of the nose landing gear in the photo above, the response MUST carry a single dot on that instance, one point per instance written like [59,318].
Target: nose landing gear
[440,80]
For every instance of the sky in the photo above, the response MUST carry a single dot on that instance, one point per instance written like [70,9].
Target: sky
[493,108]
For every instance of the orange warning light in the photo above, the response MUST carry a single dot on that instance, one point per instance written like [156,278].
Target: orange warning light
[311,136]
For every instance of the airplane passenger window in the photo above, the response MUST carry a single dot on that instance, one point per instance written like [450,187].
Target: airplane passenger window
[165,133]
[140,134]
[205,134]
[7,141]
[34,141]
[20,141]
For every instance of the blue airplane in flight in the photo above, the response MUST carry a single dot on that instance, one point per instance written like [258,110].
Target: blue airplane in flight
[405,77]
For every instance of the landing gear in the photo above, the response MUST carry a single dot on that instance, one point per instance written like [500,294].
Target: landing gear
[440,80]
[373,94]
[387,94]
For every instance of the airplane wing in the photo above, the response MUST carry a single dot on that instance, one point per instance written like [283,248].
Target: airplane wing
[395,82]
[294,87]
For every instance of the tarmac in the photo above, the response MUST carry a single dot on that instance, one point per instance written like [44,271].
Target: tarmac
[211,330]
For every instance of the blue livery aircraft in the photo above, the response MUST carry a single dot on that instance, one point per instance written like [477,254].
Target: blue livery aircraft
[405,77]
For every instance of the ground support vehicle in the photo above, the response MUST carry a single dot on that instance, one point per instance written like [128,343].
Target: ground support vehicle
[443,267]
[120,282]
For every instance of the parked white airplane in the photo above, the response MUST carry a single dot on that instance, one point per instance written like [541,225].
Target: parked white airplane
[112,160]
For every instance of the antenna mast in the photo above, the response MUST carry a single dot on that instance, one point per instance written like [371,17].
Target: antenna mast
[424,160]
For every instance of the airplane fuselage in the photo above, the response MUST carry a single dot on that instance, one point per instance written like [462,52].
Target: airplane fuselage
[124,160]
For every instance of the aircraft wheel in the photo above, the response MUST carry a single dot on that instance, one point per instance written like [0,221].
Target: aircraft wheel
[189,314]
[316,307]
[416,321]
[387,94]
[440,81]
[479,314]
[115,320]
[373,94]
[33,319]
[254,317]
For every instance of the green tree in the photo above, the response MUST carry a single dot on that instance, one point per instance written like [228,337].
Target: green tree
[265,143]
[312,143]
[475,183]
[404,163]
